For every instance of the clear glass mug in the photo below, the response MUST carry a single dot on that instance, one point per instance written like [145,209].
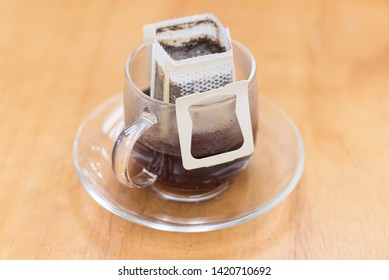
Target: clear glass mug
[147,153]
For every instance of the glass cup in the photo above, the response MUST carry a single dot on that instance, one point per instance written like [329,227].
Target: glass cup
[148,152]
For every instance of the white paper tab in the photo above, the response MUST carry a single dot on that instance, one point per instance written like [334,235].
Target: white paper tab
[185,125]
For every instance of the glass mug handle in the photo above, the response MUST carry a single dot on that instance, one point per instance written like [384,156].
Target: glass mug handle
[122,149]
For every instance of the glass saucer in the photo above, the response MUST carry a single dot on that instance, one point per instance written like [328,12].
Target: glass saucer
[273,172]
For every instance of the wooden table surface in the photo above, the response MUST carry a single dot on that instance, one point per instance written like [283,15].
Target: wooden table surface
[326,63]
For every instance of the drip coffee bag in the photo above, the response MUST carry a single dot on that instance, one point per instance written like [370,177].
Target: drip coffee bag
[189,55]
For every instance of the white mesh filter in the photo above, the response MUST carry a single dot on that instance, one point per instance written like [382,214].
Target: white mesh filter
[189,55]
[200,81]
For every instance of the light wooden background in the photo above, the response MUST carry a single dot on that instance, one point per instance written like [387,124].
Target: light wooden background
[324,62]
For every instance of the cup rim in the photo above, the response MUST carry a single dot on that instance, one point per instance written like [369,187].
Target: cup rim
[144,96]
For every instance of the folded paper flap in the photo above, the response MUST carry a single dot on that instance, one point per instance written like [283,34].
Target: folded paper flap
[185,125]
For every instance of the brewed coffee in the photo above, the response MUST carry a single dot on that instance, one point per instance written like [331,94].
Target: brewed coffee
[167,163]
[172,174]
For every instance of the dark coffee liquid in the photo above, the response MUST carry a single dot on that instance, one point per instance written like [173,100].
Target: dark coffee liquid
[173,176]
[171,172]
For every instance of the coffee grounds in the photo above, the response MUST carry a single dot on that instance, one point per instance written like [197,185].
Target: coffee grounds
[193,48]
[186,25]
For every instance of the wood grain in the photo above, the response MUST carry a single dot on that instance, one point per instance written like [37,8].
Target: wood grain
[325,62]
